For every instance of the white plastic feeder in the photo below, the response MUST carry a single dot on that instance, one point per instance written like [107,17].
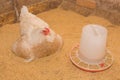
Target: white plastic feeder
[91,54]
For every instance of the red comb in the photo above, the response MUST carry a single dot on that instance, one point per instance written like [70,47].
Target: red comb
[46,31]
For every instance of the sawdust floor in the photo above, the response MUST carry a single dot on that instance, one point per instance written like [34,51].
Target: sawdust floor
[58,66]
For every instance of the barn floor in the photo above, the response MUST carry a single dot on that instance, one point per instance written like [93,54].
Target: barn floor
[58,66]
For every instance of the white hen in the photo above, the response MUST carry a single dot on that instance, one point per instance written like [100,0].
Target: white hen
[28,22]
[37,39]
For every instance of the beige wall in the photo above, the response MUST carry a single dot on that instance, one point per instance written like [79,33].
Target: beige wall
[8,12]
[109,9]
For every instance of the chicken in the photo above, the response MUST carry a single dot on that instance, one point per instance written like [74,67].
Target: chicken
[37,39]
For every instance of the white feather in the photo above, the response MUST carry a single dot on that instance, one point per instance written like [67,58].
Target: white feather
[31,26]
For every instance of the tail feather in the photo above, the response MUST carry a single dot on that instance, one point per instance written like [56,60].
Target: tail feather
[24,10]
